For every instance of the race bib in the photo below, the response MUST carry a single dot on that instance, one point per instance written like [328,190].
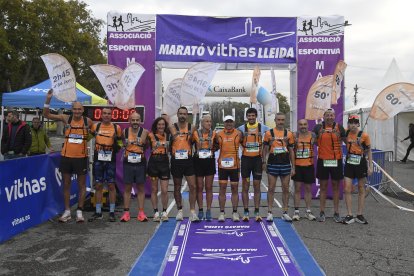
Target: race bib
[203,154]
[104,155]
[252,147]
[354,159]
[227,162]
[301,154]
[75,139]
[330,163]
[181,154]
[134,157]
[279,150]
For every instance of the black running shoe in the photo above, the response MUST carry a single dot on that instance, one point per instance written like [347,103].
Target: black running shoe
[348,220]
[361,219]
[112,217]
[95,216]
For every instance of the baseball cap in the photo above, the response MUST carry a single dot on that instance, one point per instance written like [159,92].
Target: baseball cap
[353,118]
[228,118]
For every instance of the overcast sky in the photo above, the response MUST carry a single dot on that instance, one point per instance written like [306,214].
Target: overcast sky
[381,30]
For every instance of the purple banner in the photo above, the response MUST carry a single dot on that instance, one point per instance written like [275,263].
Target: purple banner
[320,47]
[214,248]
[131,38]
[236,39]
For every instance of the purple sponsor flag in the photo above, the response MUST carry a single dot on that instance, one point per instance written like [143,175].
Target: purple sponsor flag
[131,38]
[214,248]
[235,39]
[320,47]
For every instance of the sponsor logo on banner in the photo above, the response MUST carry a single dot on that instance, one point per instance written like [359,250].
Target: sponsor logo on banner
[229,39]
[26,187]
[128,22]
[230,230]
[241,255]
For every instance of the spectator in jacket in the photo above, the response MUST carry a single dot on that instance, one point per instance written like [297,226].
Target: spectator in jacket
[16,139]
[40,140]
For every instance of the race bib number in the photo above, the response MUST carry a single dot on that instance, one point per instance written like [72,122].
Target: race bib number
[354,159]
[203,154]
[181,154]
[330,163]
[227,162]
[134,158]
[279,150]
[301,154]
[104,155]
[252,147]
[75,139]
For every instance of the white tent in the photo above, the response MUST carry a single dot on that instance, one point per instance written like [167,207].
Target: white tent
[385,135]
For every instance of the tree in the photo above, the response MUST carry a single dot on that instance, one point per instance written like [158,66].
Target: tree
[30,29]
[283,104]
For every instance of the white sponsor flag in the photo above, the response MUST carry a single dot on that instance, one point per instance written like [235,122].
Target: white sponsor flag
[171,97]
[338,77]
[109,76]
[255,84]
[125,97]
[319,98]
[196,82]
[61,76]
[275,100]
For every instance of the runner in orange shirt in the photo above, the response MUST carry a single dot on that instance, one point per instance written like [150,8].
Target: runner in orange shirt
[279,157]
[305,171]
[74,154]
[228,141]
[330,136]
[358,146]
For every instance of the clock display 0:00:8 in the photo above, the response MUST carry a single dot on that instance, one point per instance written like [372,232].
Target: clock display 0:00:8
[117,114]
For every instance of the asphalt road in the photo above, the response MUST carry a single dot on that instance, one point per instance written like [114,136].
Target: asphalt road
[383,247]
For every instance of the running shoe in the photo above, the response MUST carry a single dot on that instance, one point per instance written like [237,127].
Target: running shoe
[221,217]
[257,217]
[236,217]
[79,216]
[286,217]
[269,217]
[112,217]
[296,216]
[125,217]
[403,161]
[142,217]
[245,216]
[361,219]
[337,218]
[310,216]
[193,217]
[164,216]
[65,216]
[179,216]
[208,215]
[348,219]
[200,215]
[156,217]
[322,217]
[95,216]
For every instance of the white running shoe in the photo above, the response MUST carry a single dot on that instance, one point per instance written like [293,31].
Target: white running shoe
[221,217]
[179,216]
[164,216]
[79,216]
[65,216]
[296,216]
[194,217]
[310,216]
[236,217]
[286,217]
[156,217]
[269,217]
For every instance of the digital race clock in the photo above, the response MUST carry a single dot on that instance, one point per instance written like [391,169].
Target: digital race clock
[118,115]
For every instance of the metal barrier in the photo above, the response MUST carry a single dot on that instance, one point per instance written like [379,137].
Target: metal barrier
[378,179]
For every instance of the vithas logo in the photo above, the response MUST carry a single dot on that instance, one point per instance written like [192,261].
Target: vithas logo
[24,188]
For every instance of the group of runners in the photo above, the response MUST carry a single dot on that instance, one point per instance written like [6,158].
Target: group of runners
[181,150]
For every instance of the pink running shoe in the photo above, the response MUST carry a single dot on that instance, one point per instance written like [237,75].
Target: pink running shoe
[142,217]
[125,217]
